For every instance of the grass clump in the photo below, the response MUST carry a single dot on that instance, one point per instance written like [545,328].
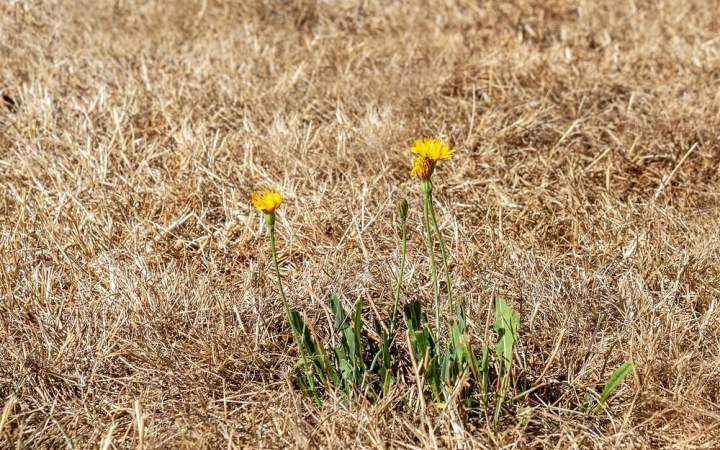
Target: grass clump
[443,357]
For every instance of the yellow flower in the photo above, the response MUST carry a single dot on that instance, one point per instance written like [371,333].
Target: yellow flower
[267,201]
[422,167]
[433,149]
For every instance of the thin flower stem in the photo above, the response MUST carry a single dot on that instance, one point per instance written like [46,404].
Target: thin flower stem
[271,230]
[308,374]
[444,254]
[400,278]
[433,268]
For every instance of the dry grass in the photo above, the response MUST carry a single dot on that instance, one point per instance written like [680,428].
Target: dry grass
[138,306]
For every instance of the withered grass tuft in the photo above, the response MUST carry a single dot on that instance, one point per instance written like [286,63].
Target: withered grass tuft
[137,302]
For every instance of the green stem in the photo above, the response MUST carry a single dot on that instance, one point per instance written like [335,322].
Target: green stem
[444,254]
[400,278]
[433,268]
[308,373]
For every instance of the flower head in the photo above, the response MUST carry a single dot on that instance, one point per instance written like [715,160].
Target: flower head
[422,167]
[433,149]
[267,201]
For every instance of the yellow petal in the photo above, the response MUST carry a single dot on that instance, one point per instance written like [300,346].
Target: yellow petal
[267,201]
[433,149]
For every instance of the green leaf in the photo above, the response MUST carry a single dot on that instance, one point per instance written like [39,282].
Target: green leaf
[507,323]
[346,350]
[357,328]
[455,356]
[613,382]
[313,351]
[338,311]
[469,356]
[418,344]
[385,342]
[309,351]
[485,369]
[498,409]
[386,373]
[445,367]
[331,375]
[349,351]
[300,329]
[456,346]
[434,379]
[414,315]
[420,337]
[461,320]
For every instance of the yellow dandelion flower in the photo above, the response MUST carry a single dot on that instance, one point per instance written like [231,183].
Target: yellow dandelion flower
[422,167]
[267,201]
[433,149]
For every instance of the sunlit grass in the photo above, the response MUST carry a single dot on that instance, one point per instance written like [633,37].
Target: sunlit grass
[573,229]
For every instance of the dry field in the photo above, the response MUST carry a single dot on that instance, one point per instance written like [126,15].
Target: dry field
[137,302]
